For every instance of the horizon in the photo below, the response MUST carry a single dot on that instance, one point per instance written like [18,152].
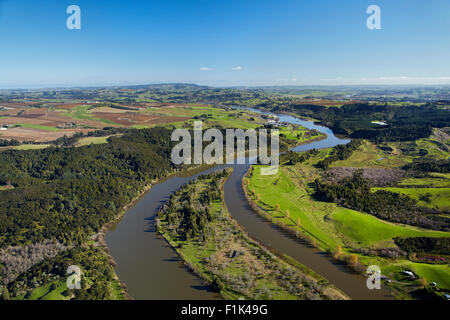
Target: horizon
[223,44]
[312,86]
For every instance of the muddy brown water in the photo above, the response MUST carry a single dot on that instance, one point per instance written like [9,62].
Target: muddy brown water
[151,269]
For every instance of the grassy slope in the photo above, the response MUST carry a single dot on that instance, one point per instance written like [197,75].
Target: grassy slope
[440,197]
[298,134]
[369,156]
[31,146]
[91,140]
[290,190]
[433,181]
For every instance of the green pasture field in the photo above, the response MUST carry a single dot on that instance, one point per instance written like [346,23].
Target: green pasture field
[329,224]
[432,181]
[440,197]
[91,140]
[31,146]
[37,126]
[82,113]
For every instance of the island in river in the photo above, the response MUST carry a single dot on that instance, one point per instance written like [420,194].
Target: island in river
[196,223]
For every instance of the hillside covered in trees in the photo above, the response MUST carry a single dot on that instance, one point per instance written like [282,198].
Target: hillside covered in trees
[61,197]
[402,123]
[66,194]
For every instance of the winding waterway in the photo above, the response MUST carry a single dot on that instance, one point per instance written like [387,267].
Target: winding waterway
[152,270]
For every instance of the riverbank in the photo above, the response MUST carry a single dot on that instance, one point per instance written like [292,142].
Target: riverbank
[323,136]
[304,235]
[99,238]
[356,238]
[224,254]
[138,248]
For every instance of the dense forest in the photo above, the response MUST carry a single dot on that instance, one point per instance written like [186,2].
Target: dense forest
[424,245]
[66,194]
[354,193]
[402,122]
[188,212]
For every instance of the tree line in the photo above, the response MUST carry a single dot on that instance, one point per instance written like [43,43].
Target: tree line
[354,193]
[424,245]
[340,152]
[292,157]
[429,165]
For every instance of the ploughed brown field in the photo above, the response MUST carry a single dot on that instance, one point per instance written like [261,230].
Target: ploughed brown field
[67,106]
[38,135]
[130,118]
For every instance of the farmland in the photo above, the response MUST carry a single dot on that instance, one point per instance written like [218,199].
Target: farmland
[319,218]
[113,161]
[288,200]
[46,124]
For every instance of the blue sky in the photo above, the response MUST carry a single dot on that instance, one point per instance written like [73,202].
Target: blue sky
[223,42]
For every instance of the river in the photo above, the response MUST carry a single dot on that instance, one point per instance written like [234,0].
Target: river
[152,270]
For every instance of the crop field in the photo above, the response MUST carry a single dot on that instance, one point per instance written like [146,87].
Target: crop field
[38,135]
[56,120]
[211,116]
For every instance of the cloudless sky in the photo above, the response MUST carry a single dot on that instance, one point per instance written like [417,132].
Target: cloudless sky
[223,42]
